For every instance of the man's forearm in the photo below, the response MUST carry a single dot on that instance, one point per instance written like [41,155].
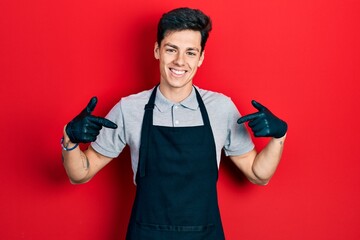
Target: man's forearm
[268,159]
[75,163]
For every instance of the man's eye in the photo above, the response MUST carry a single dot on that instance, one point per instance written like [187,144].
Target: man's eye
[170,50]
[191,54]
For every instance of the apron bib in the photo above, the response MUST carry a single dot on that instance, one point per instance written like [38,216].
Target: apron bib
[176,197]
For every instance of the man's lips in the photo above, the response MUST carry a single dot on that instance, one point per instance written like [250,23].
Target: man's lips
[177,71]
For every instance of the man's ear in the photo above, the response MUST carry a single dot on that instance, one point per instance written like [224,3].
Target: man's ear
[202,56]
[156,51]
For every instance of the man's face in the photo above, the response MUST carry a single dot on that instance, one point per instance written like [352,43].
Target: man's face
[179,57]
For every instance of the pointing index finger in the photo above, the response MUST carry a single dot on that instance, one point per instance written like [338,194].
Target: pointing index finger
[103,122]
[248,117]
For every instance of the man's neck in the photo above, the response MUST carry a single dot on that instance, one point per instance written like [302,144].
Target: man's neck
[175,94]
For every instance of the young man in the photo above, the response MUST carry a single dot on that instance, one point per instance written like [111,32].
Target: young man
[176,133]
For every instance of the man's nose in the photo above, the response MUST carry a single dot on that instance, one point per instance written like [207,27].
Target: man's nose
[179,60]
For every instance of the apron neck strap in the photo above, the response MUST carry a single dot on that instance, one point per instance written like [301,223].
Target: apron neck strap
[204,114]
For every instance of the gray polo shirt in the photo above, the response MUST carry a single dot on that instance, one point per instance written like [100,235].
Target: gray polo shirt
[129,111]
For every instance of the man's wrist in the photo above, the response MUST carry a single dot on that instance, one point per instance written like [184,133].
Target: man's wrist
[280,139]
[66,143]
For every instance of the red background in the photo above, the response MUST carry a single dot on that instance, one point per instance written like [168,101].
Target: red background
[299,58]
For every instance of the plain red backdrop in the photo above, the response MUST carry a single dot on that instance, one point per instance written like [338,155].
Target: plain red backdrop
[300,58]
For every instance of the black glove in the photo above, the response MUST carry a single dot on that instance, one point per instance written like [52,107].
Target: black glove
[84,127]
[264,123]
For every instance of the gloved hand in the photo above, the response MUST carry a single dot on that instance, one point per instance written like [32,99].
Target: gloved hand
[264,123]
[85,127]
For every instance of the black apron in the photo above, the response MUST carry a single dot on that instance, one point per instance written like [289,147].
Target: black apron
[176,197]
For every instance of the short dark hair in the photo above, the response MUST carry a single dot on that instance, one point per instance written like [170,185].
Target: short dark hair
[184,19]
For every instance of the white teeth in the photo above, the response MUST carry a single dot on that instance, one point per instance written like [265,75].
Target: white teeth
[178,72]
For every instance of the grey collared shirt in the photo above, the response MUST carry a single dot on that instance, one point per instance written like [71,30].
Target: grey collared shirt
[129,111]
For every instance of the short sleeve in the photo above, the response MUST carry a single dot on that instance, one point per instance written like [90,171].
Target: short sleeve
[110,142]
[238,140]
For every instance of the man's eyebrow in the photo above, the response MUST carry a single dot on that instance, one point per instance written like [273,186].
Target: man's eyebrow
[176,47]
[193,49]
[171,45]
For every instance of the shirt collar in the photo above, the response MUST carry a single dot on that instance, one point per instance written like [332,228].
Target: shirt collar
[163,104]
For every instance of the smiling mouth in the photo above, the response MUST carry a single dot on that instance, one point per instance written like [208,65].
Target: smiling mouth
[177,72]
